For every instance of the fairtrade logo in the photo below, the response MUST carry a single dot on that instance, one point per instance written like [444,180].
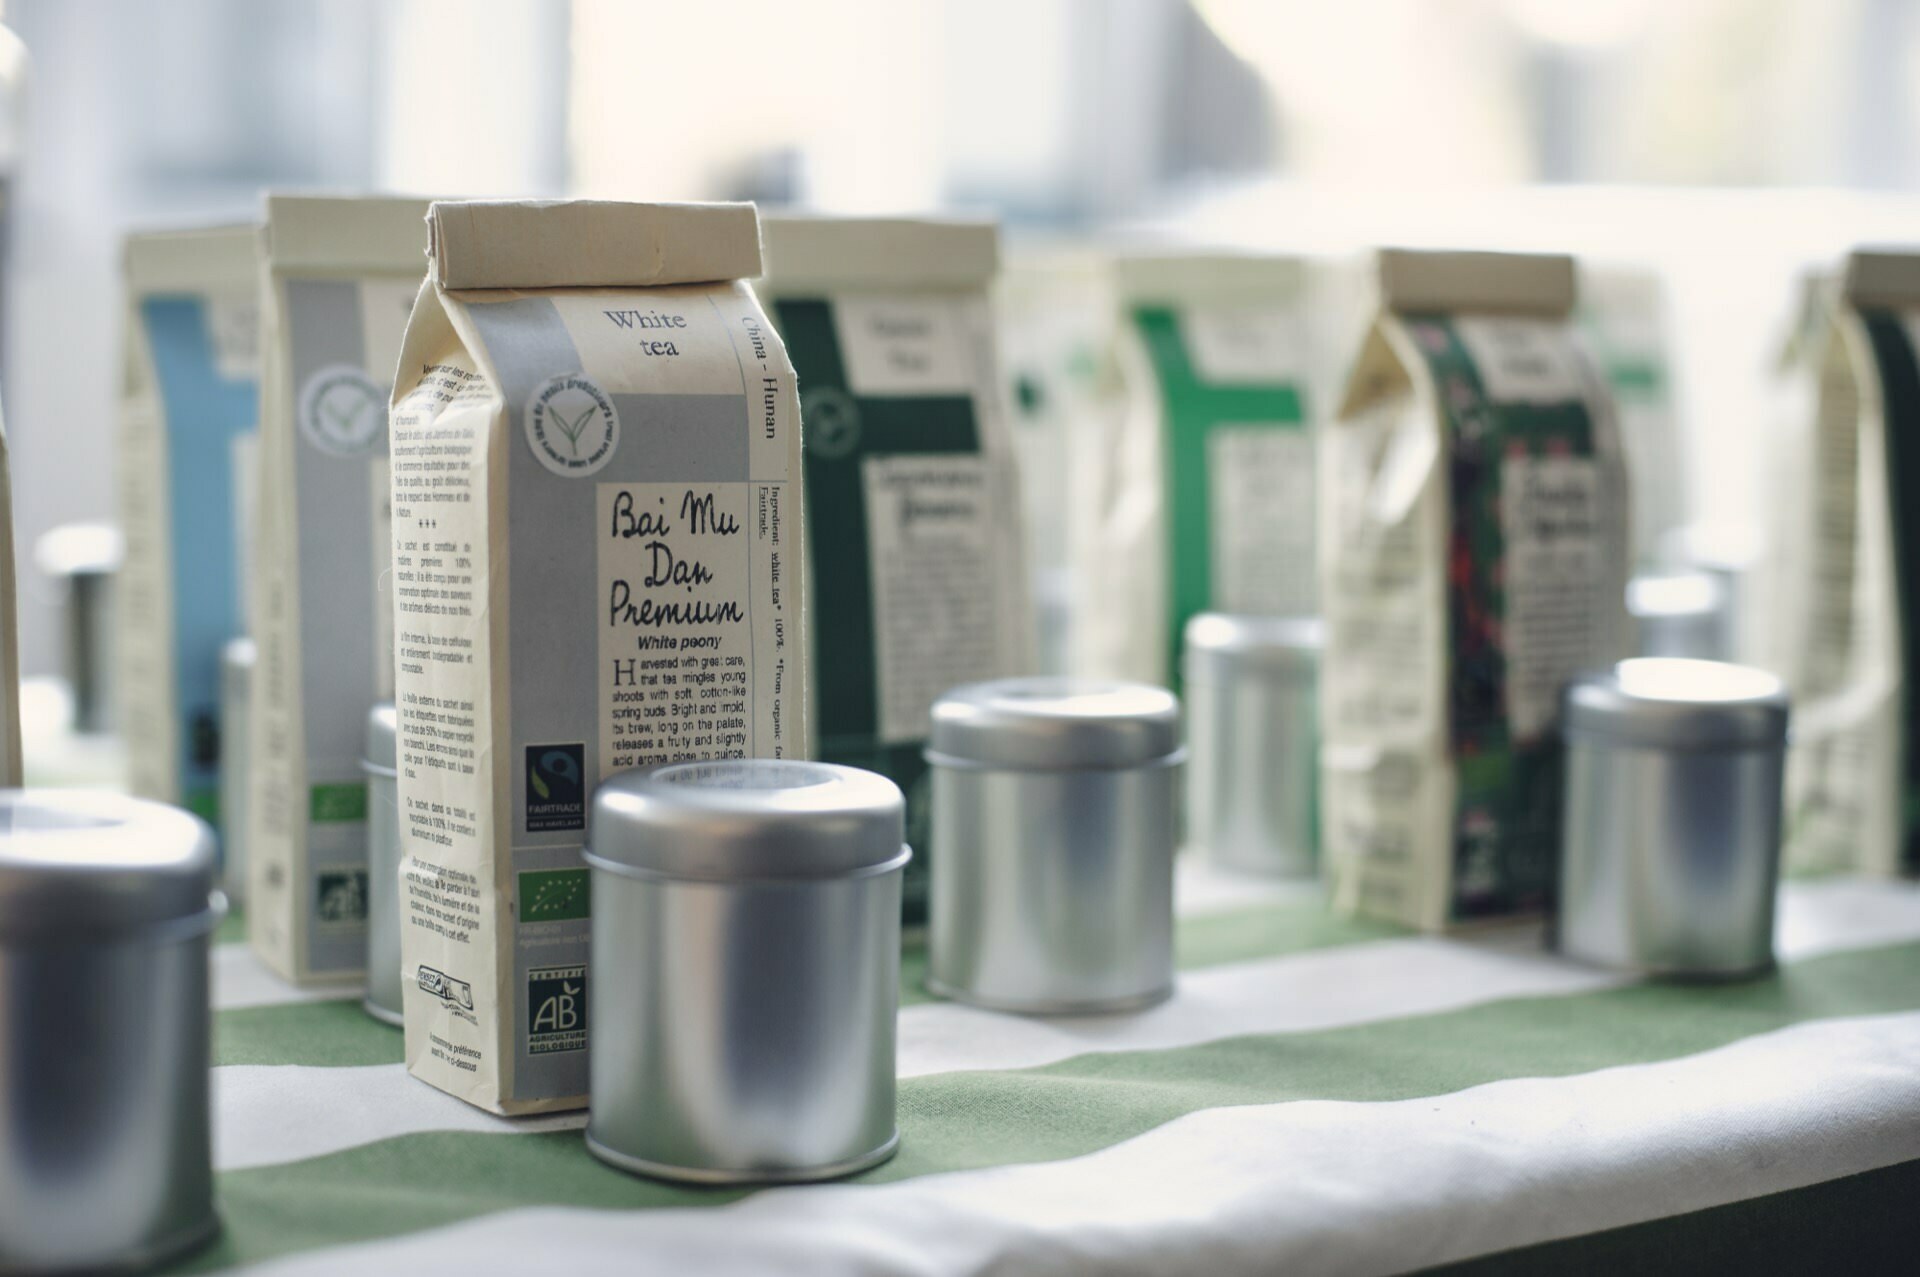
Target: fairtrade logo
[342,411]
[571,425]
[556,787]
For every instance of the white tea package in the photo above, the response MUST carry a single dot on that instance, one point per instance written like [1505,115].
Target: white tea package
[1623,321]
[1055,317]
[1851,559]
[599,564]
[1205,501]
[340,278]
[10,756]
[1474,557]
[917,578]
[189,401]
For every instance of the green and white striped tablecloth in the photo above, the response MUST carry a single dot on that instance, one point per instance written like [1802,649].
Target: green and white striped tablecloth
[1321,1096]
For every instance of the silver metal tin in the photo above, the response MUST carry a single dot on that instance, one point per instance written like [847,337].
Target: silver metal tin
[383,867]
[1053,836]
[1682,614]
[1252,767]
[236,758]
[1671,845]
[106,907]
[83,560]
[744,977]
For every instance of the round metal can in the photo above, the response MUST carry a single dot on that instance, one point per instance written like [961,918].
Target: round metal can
[1671,846]
[1252,765]
[106,909]
[744,977]
[1053,836]
[236,758]
[1681,614]
[84,560]
[383,866]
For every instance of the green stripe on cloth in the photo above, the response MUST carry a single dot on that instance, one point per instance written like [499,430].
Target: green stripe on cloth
[340,1033]
[1269,930]
[963,1121]
[1863,1223]
[328,1034]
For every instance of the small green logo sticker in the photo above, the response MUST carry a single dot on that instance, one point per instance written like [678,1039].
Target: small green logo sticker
[555,895]
[338,804]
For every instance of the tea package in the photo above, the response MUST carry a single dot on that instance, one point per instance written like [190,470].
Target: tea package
[1474,556]
[918,576]
[189,401]
[340,277]
[1852,568]
[1623,320]
[10,756]
[1055,316]
[598,556]
[1785,548]
[1206,502]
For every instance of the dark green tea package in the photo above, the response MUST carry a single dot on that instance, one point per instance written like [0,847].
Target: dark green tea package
[1474,554]
[918,575]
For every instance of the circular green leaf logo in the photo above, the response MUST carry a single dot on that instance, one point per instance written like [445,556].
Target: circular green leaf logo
[571,425]
[342,411]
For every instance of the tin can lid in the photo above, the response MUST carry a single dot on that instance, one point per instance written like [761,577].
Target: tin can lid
[85,862]
[1677,702]
[1276,644]
[238,654]
[1673,595]
[747,818]
[1055,723]
[383,724]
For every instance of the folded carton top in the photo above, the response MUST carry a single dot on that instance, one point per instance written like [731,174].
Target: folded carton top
[535,244]
[1611,287]
[1888,277]
[1413,282]
[889,253]
[199,259]
[345,234]
[1183,277]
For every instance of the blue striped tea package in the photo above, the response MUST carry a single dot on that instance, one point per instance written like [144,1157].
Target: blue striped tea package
[188,405]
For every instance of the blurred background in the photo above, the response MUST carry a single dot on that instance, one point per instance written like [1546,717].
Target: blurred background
[1726,143]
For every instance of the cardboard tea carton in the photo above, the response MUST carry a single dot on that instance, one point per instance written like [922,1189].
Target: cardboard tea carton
[1852,568]
[189,401]
[1474,554]
[917,578]
[598,559]
[1623,320]
[1055,316]
[1206,501]
[10,757]
[1786,548]
[340,278]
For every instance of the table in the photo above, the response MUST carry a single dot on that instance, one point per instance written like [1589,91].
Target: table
[1322,1095]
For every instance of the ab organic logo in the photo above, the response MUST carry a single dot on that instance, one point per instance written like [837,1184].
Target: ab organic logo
[571,425]
[342,411]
